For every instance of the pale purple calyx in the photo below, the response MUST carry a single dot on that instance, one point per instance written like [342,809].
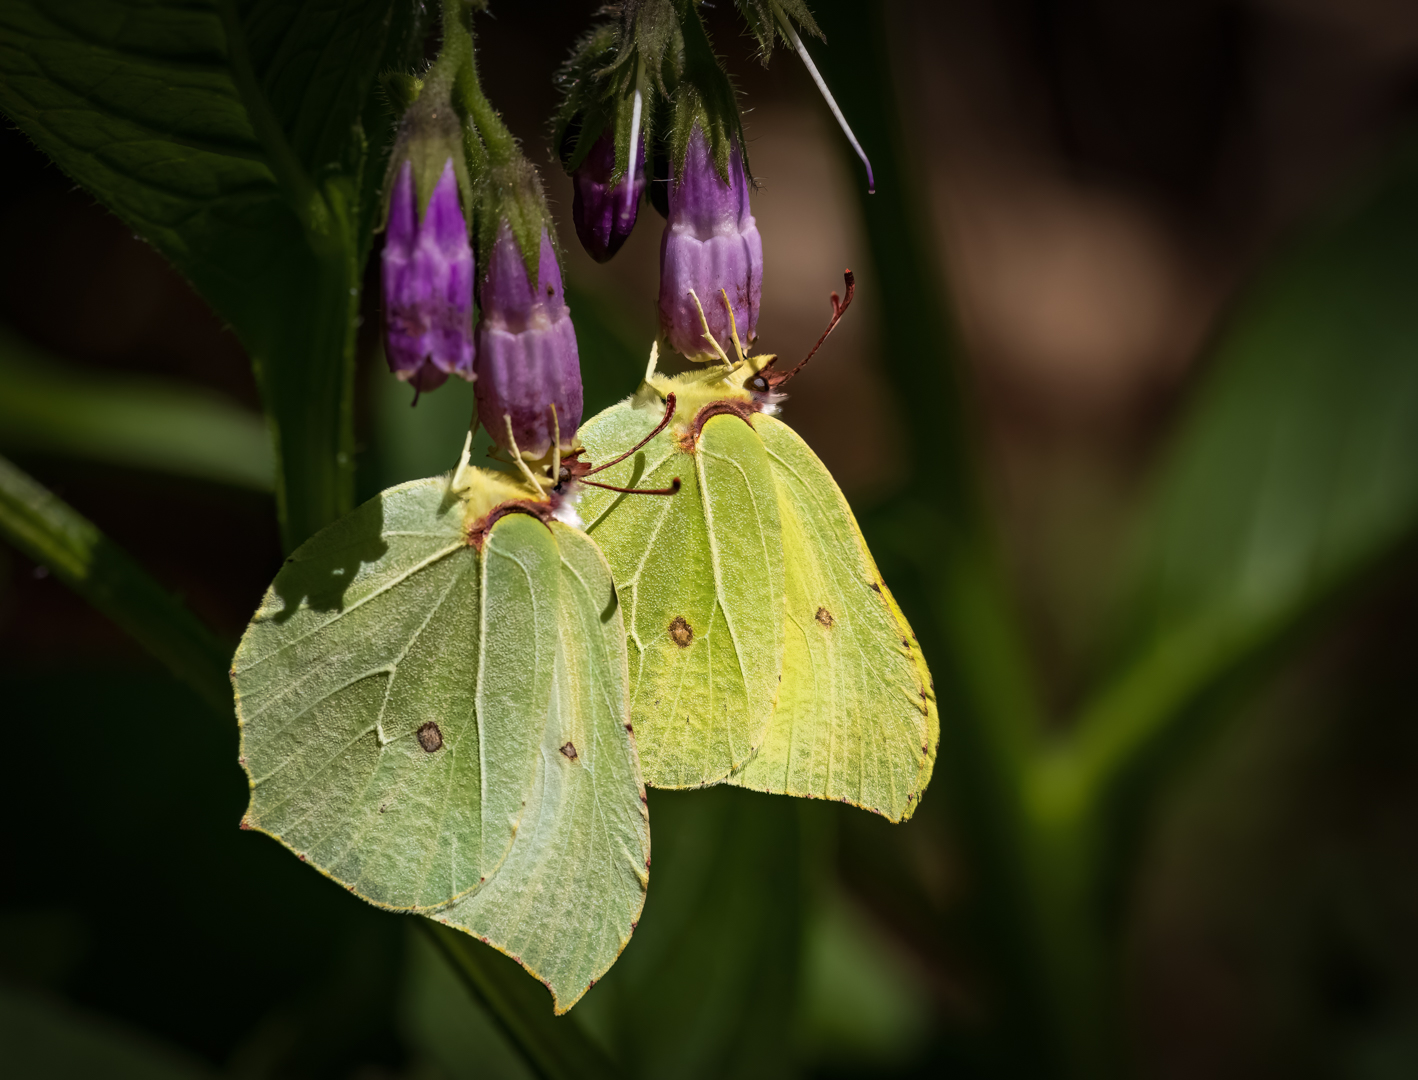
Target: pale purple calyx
[711,250]
[528,369]
[427,271]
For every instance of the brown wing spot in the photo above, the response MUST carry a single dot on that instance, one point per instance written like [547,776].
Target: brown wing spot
[905,643]
[569,751]
[681,633]
[825,617]
[873,586]
[430,737]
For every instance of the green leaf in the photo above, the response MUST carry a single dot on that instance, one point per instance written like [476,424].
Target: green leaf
[45,1039]
[701,574]
[856,717]
[51,532]
[1295,469]
[555,1047]
[708,987]
[49,407]
[433,707]
[232,137]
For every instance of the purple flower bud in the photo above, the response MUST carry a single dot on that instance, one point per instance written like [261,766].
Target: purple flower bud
[604,215]
[527,359]
[428,284]
[710,243]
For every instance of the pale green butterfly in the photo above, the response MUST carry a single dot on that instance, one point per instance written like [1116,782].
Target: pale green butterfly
[433,709]
[765,649]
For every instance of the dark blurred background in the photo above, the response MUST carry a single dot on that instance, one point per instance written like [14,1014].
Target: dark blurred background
[1103,178]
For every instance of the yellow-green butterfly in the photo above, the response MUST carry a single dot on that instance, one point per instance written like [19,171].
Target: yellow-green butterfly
[433,702]
[765,650]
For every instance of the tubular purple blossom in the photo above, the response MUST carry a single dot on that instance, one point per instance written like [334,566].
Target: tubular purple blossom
[527,359]
[711,243]
[428,284]
[604,215]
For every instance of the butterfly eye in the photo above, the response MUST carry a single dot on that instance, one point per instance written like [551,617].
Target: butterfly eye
[758,384]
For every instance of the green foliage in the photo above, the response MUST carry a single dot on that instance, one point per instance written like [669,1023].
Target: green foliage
[48,1041]
[243,141]
[53,408]
[433,709]
[709,986]
[54,534]
[1296,468]
[553,1046]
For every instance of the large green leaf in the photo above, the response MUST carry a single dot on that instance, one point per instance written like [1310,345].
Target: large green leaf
[243,141]
[1295,468]
[148,423]
[434,709]
[708,987]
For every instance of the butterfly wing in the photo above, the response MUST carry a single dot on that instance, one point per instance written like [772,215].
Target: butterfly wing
[565,901]
[856,719]
[700,576]
[393,689]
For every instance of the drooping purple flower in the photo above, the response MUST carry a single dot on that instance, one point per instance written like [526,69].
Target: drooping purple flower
[605,214]
[527,359]
[711,243]
[428,284]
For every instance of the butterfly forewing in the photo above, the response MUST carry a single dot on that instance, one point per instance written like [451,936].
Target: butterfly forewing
[700,575]
[358,692]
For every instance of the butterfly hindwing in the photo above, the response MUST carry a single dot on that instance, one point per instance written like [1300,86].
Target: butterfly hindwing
[856,718]
[586,832]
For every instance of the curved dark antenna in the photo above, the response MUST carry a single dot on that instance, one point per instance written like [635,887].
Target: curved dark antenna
[771,380]
[673,489]
[664,423]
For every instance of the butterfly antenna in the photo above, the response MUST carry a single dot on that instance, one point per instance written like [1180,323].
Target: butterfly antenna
[517,454]
[705,323]
[664,423]
[673,489]
[839,308]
